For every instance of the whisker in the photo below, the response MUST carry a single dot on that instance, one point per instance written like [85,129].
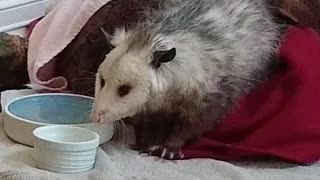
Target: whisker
[84,92]
[83,79]
[84,83]
[88,72]
[114,112]
[122,129]
[116,133]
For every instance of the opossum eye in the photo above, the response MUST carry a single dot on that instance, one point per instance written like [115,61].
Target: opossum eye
[124,90]
[160,57]
[111,47]
[102,81]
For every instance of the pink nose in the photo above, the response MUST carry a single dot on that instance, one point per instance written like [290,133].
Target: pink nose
[96,117]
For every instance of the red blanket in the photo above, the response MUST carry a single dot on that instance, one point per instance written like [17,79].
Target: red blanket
[280,119]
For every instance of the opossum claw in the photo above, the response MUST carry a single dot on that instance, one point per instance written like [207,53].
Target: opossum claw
[181,155]
[164,153]
[154,148]
[171,155]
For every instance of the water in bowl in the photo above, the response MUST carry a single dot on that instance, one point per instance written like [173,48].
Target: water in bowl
[53,109]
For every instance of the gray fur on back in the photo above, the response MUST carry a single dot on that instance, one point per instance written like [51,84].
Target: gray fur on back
[235,40]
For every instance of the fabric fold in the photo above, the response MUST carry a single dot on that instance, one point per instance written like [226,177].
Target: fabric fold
[51,35]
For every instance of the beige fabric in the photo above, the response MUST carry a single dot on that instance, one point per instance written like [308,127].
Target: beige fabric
[21,175]
[117,163]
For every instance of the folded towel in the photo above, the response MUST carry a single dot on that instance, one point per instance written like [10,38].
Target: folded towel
[51,35]
[79,60]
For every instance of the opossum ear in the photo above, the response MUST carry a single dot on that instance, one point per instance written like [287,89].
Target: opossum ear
[108,38]
[160,57]
[106,34]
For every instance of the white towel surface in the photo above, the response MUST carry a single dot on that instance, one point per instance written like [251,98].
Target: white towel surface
[117,163]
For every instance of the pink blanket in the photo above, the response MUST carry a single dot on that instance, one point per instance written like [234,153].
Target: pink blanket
[51,35]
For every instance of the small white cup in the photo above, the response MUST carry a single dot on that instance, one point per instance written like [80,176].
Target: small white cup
[65,149]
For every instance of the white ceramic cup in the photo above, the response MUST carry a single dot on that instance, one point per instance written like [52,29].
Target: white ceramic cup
[65,149]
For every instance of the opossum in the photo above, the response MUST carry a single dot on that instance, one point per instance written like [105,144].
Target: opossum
[189,61]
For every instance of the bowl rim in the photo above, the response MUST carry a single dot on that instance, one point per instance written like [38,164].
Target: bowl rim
[9,113]
[40,131]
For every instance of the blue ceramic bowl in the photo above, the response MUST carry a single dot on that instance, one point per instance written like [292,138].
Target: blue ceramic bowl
[53,109]
[24,114]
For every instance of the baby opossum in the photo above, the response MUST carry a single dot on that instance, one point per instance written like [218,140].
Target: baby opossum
[189,61]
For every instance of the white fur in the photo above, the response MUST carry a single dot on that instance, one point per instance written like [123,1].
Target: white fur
[118,69]
[198,65]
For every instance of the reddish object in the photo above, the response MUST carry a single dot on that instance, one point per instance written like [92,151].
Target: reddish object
[280,119]
[31,26]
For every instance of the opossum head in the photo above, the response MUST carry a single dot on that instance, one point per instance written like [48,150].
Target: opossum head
[131,76]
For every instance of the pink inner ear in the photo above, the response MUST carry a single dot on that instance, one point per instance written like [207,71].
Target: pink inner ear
[106,34]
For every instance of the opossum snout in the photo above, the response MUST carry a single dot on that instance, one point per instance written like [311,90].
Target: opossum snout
[97,117]
[106,116]
[102,116]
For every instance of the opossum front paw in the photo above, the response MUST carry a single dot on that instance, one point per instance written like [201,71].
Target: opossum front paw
[169,150]
[166,152]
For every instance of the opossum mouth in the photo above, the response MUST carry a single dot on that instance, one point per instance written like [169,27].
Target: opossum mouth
[126,119]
